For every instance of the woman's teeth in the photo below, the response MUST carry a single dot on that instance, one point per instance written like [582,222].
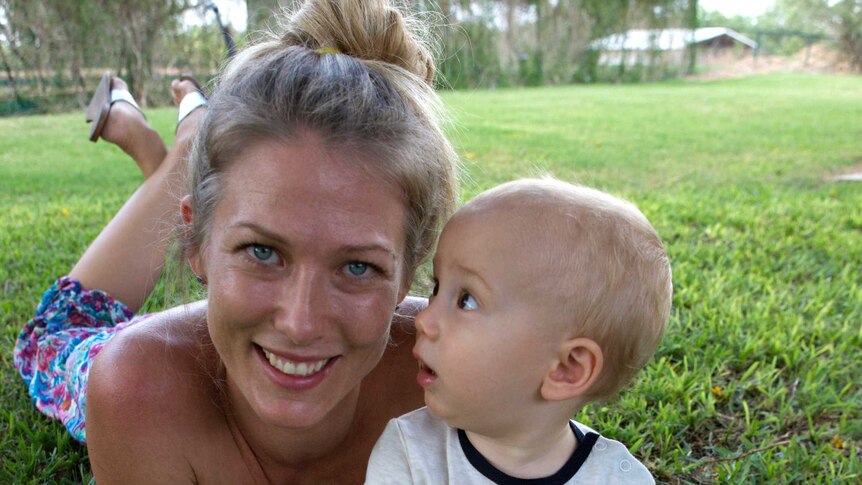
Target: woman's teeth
[290,368]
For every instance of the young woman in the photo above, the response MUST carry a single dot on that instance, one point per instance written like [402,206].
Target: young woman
[318,177]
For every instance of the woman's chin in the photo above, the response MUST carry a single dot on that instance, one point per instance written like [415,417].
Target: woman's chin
[303,413]
[300,402]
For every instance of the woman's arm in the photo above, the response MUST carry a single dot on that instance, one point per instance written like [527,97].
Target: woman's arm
[126,258]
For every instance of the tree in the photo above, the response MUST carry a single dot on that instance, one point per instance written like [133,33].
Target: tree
[139,25]
[260,12]
[58,43]
[692,47]
[847,22]
[708,18]
[840,19]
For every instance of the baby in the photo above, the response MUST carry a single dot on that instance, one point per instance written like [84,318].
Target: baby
[547,296]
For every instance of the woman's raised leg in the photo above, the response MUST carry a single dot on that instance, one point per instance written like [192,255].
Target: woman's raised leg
[128,129]
[127,257]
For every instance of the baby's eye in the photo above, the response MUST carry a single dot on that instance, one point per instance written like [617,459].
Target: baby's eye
[357,268]
[436,287]
[467,302]
[262,254]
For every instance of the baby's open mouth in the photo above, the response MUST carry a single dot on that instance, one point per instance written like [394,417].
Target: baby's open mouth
[426,368]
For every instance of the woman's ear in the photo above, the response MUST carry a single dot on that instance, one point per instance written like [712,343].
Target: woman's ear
[406,281]
[576,369]
[192,252]
[405,289]
[186,212]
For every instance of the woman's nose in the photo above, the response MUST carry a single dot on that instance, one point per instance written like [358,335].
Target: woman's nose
[426,323]
[302,307]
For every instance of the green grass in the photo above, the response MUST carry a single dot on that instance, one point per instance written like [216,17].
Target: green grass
[757,379]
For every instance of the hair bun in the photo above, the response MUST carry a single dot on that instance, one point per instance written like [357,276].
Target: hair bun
[371,30]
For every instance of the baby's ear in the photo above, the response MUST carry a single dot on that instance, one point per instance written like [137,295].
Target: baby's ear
[576,369]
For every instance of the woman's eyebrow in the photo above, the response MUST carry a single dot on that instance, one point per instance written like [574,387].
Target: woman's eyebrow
[258,229]
[375,247]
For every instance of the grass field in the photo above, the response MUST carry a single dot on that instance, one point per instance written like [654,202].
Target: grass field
[758,377]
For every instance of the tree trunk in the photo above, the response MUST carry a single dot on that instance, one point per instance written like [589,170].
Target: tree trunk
[11,77]
[510,49]
[692,47]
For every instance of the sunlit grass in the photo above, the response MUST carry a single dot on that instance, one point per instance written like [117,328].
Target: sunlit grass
[757,379]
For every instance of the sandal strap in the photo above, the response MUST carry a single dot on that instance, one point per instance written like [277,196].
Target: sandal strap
[124,95]
[190,102]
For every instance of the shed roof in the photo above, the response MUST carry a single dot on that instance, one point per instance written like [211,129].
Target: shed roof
[667,39]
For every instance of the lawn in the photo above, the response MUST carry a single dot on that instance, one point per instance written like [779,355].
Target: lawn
[757,379]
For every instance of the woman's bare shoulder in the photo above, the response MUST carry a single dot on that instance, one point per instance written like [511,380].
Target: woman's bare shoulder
[156,357]
[150,399]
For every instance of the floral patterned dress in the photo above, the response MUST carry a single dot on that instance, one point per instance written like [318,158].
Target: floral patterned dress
[56,348]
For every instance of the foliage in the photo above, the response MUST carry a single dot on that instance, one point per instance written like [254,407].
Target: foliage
[260,12]
[757,378]
[789,25]
[810,16]
[739,23]
[54,50]
[847,19]
[470,56]
[839,19]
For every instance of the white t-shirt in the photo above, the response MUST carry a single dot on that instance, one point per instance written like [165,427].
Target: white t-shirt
[419,448]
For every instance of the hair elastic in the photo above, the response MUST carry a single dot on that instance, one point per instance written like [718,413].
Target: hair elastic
[327,50]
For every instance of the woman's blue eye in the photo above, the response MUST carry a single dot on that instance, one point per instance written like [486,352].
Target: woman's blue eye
[262,253]
[467,302]
[357,269]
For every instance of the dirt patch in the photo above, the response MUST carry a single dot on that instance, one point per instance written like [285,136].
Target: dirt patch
[819,58]
[852,173]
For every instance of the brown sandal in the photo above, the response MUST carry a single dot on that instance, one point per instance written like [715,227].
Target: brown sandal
[100,106]
[191,79]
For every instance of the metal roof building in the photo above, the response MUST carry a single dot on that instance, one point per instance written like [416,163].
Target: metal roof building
[671,39]
[640,46]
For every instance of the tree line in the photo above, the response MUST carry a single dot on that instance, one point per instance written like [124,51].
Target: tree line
[51,51]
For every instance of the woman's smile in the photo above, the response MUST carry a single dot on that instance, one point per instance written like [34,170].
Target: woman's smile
[295,375]
[295,368]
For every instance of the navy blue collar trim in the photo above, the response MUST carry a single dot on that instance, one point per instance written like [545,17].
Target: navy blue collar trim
[563,475]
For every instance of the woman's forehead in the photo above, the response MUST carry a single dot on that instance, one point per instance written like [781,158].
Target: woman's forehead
[309,157]
[305,188]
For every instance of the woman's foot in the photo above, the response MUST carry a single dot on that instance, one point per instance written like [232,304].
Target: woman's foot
[188,125]
[127,128]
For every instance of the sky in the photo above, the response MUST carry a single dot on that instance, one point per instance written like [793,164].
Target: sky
[234,11]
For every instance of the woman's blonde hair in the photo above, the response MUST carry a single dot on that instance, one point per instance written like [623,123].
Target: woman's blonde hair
[356,73]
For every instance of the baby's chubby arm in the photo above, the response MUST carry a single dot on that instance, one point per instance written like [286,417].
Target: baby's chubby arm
[388,463]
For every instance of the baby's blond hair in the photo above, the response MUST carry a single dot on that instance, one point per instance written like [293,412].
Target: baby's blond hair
[600,262]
